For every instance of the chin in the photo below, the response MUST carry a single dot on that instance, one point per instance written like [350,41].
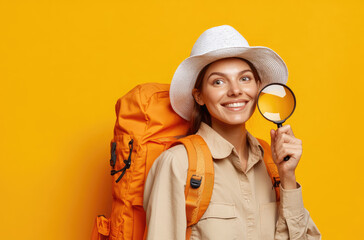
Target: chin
[236,123]
[230,122]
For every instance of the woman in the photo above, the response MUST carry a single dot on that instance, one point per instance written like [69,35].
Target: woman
[216,90]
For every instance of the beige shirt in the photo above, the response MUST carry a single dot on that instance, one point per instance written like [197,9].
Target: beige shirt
[243,204]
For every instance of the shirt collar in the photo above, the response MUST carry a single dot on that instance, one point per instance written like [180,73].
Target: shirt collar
[256,151]
[221,148]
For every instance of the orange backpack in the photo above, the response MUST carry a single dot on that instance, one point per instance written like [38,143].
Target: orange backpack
[146,125]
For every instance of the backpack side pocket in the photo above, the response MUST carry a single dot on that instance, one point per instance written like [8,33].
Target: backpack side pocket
[101,228]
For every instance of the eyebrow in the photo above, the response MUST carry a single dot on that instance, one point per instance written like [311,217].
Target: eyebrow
[224,75]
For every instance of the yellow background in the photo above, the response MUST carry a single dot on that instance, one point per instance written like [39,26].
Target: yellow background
[63,64]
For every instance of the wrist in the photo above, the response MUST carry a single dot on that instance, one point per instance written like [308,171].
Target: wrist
[288,180]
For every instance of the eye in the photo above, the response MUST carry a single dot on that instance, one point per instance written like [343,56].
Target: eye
[218,82]
[245,78]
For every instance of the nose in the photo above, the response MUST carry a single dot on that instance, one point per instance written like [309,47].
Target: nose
[235,89]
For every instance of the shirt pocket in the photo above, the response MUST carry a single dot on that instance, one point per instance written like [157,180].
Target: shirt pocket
[268,219]
[220,221]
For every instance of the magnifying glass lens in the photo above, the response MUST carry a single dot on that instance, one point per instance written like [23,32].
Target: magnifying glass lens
[276,103]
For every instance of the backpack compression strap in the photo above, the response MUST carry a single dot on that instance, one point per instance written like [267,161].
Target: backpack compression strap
[200,179]
[271,167]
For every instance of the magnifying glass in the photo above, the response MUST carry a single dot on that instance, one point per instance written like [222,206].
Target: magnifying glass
[276,102]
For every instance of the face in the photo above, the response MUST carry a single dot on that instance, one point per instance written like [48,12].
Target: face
[229,91]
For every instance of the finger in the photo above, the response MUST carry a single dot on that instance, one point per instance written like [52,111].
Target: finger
[294,153]
[288,145]
[285,129]
[285,138]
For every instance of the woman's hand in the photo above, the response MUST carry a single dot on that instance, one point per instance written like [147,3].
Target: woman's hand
[284,143]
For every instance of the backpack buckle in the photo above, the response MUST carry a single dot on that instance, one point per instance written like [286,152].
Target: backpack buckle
[276,182]
[195,181]
[113,154]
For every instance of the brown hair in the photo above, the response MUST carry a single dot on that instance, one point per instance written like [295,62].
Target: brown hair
[200,113]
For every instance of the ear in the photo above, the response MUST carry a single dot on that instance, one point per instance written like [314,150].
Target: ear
[197,96]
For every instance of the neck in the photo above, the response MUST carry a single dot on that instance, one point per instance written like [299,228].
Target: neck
[235,134]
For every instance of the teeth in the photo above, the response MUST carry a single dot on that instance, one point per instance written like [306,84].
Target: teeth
[240,104]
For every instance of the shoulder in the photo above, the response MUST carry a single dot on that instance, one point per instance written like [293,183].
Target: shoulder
[173,160]
[178,151]
[166,178]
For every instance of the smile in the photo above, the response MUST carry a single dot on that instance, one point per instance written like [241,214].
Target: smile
[235,106]
[241,104]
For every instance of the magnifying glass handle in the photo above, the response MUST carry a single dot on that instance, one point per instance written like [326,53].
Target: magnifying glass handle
[286,158]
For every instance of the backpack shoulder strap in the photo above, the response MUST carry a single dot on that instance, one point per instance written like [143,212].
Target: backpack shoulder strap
[271,167]
[200,178]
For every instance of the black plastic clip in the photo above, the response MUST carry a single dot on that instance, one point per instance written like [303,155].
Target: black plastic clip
[113,154]
[127,163]
[195,182]
[276,182]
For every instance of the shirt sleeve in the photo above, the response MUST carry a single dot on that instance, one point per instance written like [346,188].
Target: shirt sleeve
[294,221]
[164,199]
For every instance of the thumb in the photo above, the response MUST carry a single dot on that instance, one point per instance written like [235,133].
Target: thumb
[272,137]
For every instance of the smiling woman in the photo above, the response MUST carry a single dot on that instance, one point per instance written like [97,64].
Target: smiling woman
[199,112]
[216,89]
[228,90]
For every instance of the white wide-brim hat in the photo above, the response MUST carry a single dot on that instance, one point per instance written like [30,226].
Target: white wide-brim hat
[214,44]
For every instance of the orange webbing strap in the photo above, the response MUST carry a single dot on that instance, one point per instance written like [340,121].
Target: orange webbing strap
[271,167]
[188,233]
[200,171]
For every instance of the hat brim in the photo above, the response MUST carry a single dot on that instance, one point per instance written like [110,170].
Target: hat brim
[270,66]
